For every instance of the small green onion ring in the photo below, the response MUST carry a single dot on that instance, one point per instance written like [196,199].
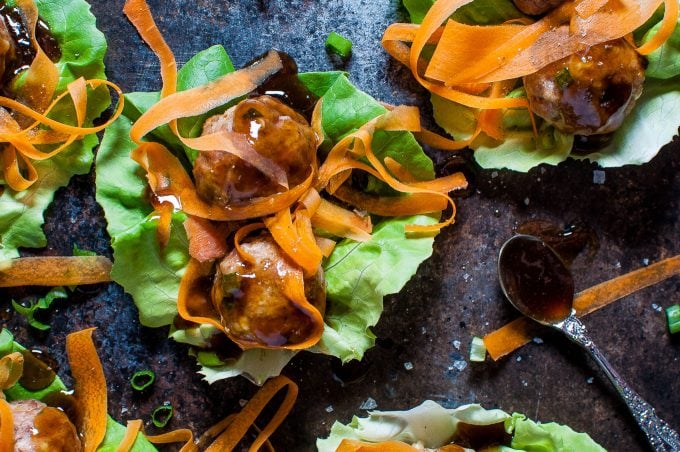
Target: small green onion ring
[142,379]
[162,415]
[673,318]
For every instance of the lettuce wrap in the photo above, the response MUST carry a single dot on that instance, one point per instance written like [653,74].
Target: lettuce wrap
[114,431]
[653,122]
[431,426]
[358,275]
[82,49]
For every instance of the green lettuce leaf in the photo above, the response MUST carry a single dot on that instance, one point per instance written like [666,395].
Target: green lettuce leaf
[548,437]
[114,431]
[152,276]
[664,62]
[653,122]
[359,275]
[82,54]
[435,426]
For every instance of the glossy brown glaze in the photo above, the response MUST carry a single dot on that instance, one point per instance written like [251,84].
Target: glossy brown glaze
[275,131]
[37,374]
[286,86]
[251,298]
[55,432]
[16,49]
[535,279]
[589,92]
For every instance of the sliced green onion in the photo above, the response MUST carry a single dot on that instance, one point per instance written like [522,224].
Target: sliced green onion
[673,318]
[162,415]
[339,45]
[477,350]
[142,379]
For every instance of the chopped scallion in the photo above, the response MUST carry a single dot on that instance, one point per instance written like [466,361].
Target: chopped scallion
[142,379]
[339,45]
[162,415]
[477,350]
[673,318]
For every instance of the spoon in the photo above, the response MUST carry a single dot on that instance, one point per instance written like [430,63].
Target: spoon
[539,285]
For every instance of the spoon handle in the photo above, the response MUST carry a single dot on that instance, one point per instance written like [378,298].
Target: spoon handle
[659,434]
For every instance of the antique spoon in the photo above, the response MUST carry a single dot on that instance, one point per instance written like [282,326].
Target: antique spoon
[539,285]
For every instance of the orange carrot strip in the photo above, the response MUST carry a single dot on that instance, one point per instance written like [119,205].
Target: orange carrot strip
[444,184]
[391,206]
[176,436]
[6,427]
[167,177]
[12,165]
[670,19]
[206,241]
[341,222]
[163,211]
[299,247]
[187,298]
[326,245]
[206,97]
[311,200]
[240,235]
[400,171]
[11,370]
[293,286]
[531,47]
[55,271]
[242,422]
[351,445]
[90,387]
[138,12]
[238,145]
[42,118]
[131,431]
[520,331]
[77,89]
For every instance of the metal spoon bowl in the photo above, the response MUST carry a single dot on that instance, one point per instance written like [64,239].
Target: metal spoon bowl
[536,281]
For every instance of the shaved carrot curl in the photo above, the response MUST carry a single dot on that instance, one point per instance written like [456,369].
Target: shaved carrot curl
[90,387]
[472,55]
[6,427]
[351,445]
[55,271]
[242,422]
[133,429]
[519,332]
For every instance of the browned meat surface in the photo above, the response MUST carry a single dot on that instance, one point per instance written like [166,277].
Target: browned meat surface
[251,298]
[39,428]
[275,131]
[590,92]
[537,7]
[6,47]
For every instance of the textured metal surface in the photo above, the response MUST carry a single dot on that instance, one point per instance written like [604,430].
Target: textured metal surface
[455,294]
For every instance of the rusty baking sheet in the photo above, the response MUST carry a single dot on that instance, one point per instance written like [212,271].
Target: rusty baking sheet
[425,332]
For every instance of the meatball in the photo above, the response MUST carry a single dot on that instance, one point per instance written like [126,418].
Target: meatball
[537,7]
[250,297]
[589,92]
[275,131]
[39,428]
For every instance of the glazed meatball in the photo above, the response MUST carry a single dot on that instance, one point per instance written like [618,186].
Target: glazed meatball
[275,131]
[589,92]
[537,7]
[39,428]
[251,300]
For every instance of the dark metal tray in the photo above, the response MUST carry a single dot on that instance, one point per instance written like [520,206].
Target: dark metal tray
[454,296]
